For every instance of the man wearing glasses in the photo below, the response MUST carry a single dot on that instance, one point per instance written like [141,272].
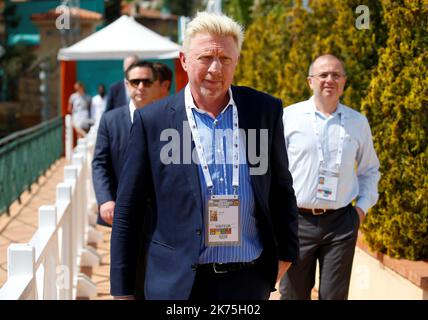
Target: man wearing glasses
[333,162]
[113,134]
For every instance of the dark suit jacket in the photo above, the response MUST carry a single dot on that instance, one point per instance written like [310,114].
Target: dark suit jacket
[116,96]
[112,137]
[174,244]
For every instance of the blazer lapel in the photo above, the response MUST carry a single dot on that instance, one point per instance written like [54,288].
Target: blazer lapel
[249,119]
[178,119]
[126,119]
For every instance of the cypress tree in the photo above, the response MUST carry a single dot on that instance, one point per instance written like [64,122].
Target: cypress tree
[264,51]
[280,46]
[397,106]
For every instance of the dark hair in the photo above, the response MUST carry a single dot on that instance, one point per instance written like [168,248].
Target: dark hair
[100,85]
[163,73]
[141,64]
[79,84]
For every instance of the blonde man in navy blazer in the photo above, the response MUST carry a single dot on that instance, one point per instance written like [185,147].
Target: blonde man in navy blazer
[223,223]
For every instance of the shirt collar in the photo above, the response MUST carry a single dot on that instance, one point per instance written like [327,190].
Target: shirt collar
[132,108]
[310,107]
[188,100]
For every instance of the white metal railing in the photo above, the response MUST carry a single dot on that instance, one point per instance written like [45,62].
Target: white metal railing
[48,266]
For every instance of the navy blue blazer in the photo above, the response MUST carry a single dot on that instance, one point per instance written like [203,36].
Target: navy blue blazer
[112,137]
[173,242]
[116,96]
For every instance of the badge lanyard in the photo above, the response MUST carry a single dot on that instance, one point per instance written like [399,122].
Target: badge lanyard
[200,149]
[328,179]
[222,220]
[341,141]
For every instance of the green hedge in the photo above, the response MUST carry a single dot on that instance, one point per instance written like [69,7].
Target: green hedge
[397,106]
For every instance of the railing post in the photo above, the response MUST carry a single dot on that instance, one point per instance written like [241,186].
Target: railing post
[47,217]
[68,240]
[47,224]
[78,160]
[92,202]
[71,177]
[68,137]
[88,257]
[83,150]
[20,263]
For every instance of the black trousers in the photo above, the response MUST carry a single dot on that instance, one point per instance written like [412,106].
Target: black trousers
[250,283]
[330,239]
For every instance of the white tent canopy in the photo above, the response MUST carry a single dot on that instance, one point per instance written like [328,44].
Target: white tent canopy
[119,39]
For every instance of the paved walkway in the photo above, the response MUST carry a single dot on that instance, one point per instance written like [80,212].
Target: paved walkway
[101,274]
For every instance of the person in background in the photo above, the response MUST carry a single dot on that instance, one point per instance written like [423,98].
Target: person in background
[333,162]
[164,80]
[78,105]
[118,94]
[98,105]
[112,137]
[113,134]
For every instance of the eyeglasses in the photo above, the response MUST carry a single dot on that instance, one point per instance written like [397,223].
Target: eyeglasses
[324,75]
[136,82]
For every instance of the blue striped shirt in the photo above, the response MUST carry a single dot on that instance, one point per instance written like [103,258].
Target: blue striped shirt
[216,138]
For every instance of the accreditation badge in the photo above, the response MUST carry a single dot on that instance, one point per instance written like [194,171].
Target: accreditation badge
[328,180]
[222,221]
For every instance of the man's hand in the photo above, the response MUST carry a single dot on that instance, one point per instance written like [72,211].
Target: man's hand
[282,269]
[361,214]
[107,211]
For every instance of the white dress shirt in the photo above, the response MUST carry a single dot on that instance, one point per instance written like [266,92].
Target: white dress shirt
[132,108]
[359,169]
[98,106]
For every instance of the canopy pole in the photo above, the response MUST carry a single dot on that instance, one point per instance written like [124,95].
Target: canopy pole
[67,80]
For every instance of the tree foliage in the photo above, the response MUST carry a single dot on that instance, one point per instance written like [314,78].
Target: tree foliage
[15,60]
[397,105]
[281,44]
[240,10]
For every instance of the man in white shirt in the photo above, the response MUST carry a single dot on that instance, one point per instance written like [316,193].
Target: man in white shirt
[332,161]
[98,105]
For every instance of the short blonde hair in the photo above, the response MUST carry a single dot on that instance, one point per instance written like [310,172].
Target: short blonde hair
[216,24]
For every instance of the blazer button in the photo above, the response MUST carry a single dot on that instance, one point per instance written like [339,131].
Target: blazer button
[194,266]
[198,232]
